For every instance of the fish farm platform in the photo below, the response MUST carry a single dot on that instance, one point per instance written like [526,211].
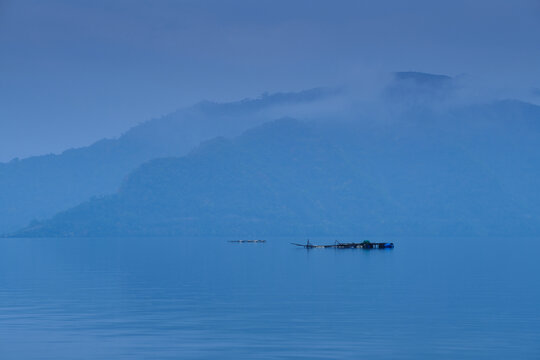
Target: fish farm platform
[337,245]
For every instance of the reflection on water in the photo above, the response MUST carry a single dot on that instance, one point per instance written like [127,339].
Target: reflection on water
[211,299]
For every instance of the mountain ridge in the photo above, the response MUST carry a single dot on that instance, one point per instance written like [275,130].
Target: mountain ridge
[38,187]
[296,178]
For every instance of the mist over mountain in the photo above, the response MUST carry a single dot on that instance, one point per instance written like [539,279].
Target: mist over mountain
[38,187]
[454,171]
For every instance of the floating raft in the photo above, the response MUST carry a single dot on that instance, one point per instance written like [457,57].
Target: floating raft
[247,241]
[337,245]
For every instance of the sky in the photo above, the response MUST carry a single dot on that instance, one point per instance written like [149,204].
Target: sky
[75,71]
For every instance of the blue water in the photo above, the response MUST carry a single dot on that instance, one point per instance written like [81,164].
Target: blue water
[210,299]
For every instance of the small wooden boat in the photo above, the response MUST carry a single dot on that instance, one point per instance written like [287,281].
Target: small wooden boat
[247,241]
[308,245]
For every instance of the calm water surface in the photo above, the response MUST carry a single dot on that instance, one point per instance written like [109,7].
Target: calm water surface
[210,299]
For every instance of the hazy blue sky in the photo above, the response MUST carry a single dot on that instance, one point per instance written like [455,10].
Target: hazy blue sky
[75,71]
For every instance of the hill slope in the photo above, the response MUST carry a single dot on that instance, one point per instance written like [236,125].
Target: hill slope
[38,187]
[465,171]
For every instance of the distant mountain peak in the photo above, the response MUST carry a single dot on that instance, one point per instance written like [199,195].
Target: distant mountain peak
[267,100]
[422,78]
[415,87]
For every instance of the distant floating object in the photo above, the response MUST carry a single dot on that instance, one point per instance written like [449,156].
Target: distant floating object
[247,241]
[337,245]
